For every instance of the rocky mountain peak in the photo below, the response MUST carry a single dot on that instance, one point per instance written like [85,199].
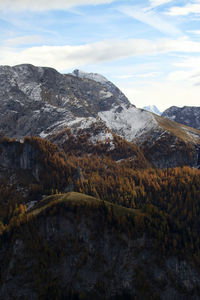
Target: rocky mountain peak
[187,115]
[38,101]
[34,99]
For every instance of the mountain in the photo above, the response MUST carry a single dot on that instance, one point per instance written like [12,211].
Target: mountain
[187,115]
[40,101]
[35,100]
[153,109]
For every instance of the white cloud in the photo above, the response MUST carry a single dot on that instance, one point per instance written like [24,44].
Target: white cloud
[151,18]
[183,45]
[67,57]
[191,8]
[194,31]
[155,3]
[43,5]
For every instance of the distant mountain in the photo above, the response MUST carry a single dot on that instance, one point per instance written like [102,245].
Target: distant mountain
[187,115]
[153,109]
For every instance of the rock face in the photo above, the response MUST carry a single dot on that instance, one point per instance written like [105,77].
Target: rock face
[33,161]
[187,115]
[19,156]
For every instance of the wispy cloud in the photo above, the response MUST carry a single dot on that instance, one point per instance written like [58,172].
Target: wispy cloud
[44,5]
[155,3]
[188,70]
[149,17]
[192,76]
[66,57]
[191,8]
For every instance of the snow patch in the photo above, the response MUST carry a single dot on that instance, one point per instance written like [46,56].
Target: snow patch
[105,94]
[93,76]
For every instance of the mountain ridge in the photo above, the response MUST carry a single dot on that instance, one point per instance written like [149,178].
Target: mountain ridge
[40,101]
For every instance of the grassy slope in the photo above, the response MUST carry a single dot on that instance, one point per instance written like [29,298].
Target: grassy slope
[183,132]
[79,199]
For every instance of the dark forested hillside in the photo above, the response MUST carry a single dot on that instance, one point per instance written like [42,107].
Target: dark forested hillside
[143,223]
[74,246]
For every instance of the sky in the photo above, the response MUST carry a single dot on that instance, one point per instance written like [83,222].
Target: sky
[149,48]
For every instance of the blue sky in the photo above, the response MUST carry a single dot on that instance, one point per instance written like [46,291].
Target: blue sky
[149,48]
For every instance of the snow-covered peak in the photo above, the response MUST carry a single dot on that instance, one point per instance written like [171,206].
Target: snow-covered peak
[129,122]
[93,76]
[153,109]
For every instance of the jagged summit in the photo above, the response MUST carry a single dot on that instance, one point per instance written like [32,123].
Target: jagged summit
[37,99]
[188,115]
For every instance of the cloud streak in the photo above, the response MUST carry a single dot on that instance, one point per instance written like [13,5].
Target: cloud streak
[44,5]
[67,57]
[150,18]
[155,3]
